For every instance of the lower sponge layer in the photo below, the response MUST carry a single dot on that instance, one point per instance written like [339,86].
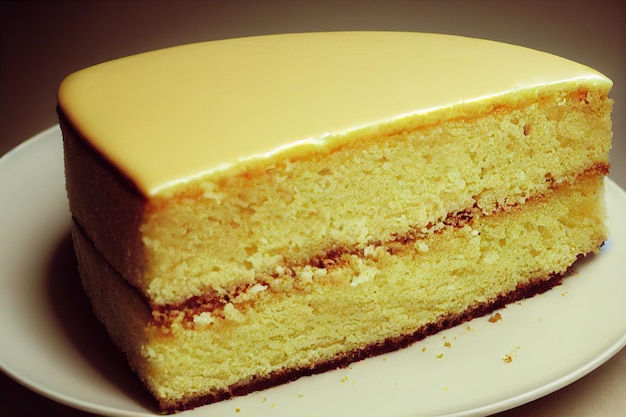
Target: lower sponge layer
[305,319]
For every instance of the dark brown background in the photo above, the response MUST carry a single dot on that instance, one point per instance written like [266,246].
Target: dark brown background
[42,41]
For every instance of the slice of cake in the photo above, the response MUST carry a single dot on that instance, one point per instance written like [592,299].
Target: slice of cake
[252,210]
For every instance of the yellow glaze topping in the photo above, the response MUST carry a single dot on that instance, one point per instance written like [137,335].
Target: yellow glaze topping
[171,115]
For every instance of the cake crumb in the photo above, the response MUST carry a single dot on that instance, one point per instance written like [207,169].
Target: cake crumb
[422,247]
[439,356]
[231,313]
[203,319]
[564,293]
[344,379]
[447,344]
[424,349]
[300,395]
[237,410]
[496,317]
[508,358]
[371,251]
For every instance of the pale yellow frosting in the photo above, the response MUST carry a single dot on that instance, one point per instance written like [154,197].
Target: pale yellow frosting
[171,115]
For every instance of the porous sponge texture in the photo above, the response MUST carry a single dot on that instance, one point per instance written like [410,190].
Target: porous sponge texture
[383,291]
[221,233]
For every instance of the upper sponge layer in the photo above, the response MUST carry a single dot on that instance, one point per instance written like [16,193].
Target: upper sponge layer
[208,106]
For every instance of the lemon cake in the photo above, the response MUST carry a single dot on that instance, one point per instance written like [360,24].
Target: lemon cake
[248,211]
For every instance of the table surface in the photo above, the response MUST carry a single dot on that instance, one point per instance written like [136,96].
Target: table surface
[43,41]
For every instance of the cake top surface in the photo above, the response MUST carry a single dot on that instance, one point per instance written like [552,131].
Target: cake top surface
[168,116]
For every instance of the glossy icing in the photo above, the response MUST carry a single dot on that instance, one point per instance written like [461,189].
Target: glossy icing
[171,115]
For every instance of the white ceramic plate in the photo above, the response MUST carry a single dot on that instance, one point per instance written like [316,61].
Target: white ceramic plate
[52,344]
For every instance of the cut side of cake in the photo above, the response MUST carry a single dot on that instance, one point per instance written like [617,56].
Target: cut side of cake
[249,211]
